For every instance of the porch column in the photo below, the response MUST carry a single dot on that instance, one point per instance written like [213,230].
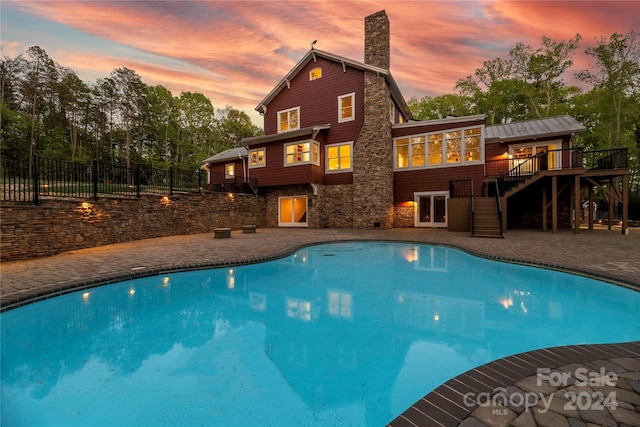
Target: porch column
[576,202]
[544,208]
[554,204]
[590,207]
[625,203]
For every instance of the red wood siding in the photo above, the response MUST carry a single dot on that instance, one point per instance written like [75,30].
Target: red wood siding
[405,183]
[318,100]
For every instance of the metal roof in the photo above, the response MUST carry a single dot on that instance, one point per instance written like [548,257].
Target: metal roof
[263,139]
[538,128]
[312,55]
[230,154]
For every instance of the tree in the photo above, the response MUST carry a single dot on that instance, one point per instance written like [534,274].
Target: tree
[617,73]
[429,108]
[130,90]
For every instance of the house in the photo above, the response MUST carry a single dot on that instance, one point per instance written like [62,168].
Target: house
[340,149]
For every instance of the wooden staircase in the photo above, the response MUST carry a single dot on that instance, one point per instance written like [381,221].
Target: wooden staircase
[523,183]
[486,221]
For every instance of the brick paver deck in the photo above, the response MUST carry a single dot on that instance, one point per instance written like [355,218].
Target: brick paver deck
[601,253]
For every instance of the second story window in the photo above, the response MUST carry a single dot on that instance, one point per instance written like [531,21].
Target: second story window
[257,158]
[346,107]
[289,119]
[229,170]
[315,74]
[338,157]
[301,153]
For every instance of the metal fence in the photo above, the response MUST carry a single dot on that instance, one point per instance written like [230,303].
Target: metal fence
[29,180]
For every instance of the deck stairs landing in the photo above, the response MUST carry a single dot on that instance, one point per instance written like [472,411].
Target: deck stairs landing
[523,182]
[486,221]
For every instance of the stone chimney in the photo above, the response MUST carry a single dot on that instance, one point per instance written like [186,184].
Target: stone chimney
[373,150]
[377,40]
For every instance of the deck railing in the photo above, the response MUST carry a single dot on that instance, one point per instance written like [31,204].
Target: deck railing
[24,180]
[616,158]
[566,158]
[232,184]
[461,188]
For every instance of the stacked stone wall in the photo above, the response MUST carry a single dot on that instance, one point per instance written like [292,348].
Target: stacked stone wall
[57,226]
[336,205]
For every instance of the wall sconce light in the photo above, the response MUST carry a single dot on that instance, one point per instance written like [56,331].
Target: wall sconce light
[165,200]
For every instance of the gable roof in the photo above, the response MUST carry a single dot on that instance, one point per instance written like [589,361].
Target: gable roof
[312,55]
[311,131]
[539,128]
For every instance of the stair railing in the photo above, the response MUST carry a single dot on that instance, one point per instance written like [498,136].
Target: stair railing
[473,210]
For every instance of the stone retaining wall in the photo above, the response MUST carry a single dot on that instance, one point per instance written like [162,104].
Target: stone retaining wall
[61,225]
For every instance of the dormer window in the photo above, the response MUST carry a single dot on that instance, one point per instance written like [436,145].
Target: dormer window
[346,107]
[315,74]
[289,119]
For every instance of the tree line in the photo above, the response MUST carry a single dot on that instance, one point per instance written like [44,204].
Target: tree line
[47,109]
[528,83]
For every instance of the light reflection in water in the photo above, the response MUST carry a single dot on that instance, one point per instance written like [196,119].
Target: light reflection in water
[348,332]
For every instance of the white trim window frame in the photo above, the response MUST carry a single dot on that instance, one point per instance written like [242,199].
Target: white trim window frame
[392,111]
[347,112]
[315,74]
[257,157]
[554,158]
[434,213]
[468,137]
[336,156]
[287,219]
[304,152]
[288,119]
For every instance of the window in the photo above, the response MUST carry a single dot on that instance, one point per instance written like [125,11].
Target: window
[315,74]
[340,303]
[392,111]
[289,120]
[346,108]
[339,157]
[292,211]
[453,147]
[229,170]
[257,158]
[410,152]
[301,153]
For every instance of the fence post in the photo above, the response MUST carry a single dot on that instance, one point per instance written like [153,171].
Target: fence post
[95,179]
[137,181]
[36,180]
[171,180]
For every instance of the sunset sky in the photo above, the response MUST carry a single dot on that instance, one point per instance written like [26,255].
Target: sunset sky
[235,52]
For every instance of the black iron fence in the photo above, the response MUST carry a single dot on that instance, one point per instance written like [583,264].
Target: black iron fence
[231,184]
[461,188]
[28,180]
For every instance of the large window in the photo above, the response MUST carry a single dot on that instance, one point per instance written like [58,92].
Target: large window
[338,157]
[257,157]
[346,108]
[292,211]
[301,153]
[410,152]
[452,147]
[289,119]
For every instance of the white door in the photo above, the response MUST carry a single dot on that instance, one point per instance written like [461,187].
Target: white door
[431,209]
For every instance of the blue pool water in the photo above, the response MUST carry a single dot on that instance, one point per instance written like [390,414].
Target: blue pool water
[336,334]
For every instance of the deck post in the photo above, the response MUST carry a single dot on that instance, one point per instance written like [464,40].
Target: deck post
[544,208]
[590,207]
[554,204]
[611,201]
[576,204]
[625,203]
[503,202]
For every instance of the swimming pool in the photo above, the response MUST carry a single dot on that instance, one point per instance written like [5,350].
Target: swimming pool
[344,333]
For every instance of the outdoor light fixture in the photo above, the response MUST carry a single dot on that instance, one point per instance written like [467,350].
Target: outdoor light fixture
[165,200]
[86,205]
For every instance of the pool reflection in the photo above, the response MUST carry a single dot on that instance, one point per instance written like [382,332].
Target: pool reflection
[341,331]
